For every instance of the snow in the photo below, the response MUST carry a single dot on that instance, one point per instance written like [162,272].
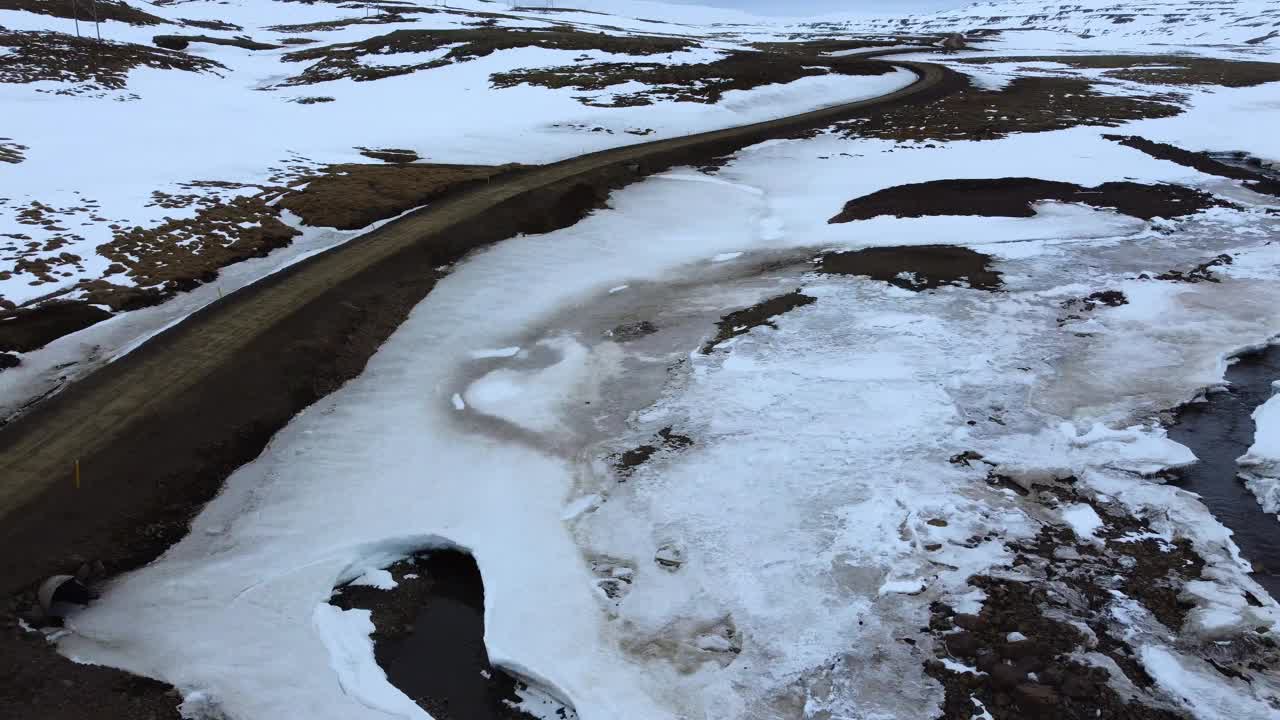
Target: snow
[345,634]
[1083,519]
[778,560]
[1210,696]
[1261,464]
[151,124]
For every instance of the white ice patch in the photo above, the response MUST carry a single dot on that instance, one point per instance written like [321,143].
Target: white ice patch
[1203,690]
[376,578]
[345,634]
[505,352]
[1083,519]
[1261,464]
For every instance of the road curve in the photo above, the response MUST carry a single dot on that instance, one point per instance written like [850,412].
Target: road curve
[113,467]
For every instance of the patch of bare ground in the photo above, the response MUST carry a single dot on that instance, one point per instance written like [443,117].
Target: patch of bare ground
[181,254]
[1198,274]
[37,686]
[103,9]
[698,82]
[1045,644]
[389,155]
[741,322]
[212,25]
[1078,308]
[1201,161]
[332,62]
[25,330]
[1160,69]
[382,18]
[917,268]
[180,42]
[348,197]
[1016,197]
[626,462]
[429,638]
[37,56]
[1028,104]
[10,151]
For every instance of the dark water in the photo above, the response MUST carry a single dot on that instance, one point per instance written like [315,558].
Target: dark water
[1218,432]
[430,639]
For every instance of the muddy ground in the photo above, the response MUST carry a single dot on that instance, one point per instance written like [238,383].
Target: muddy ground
[1015,197]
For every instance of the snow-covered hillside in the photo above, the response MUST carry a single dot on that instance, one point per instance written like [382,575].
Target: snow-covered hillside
[1171,22]
[140,183]
[869,421]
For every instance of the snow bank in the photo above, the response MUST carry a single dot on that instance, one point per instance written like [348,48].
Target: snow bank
[1261,465]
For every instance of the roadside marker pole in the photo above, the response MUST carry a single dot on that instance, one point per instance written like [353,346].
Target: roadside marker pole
[77,473]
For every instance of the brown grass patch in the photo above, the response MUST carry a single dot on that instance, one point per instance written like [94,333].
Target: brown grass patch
[741,322]
[181,254]
[700,82]
[105,10]
[352,196]
[923,267]
[1028,104]
[1015,197]
[1161,69]
[36,56]
[332,62]
[10,151]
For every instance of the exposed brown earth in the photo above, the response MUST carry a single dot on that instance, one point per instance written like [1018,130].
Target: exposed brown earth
[390,155]
[1028,104]
[921,267]
[27,330]
[741,322]
[179,255]
[1160,69]
[157,431]
[667,439]
[180,42]
[1015,197]
[349,196]
[10,151]
[37,56]
[1061,604]
[102,9]
[1200,273]
[697,82]
[429,637]
[1203,162]
[332,62]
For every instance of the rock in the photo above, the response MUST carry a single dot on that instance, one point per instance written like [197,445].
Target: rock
[970,622]
[669,557]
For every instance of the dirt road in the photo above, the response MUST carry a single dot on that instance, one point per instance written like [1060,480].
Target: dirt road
[113,467]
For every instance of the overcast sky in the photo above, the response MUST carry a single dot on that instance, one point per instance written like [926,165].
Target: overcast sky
[814,7]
